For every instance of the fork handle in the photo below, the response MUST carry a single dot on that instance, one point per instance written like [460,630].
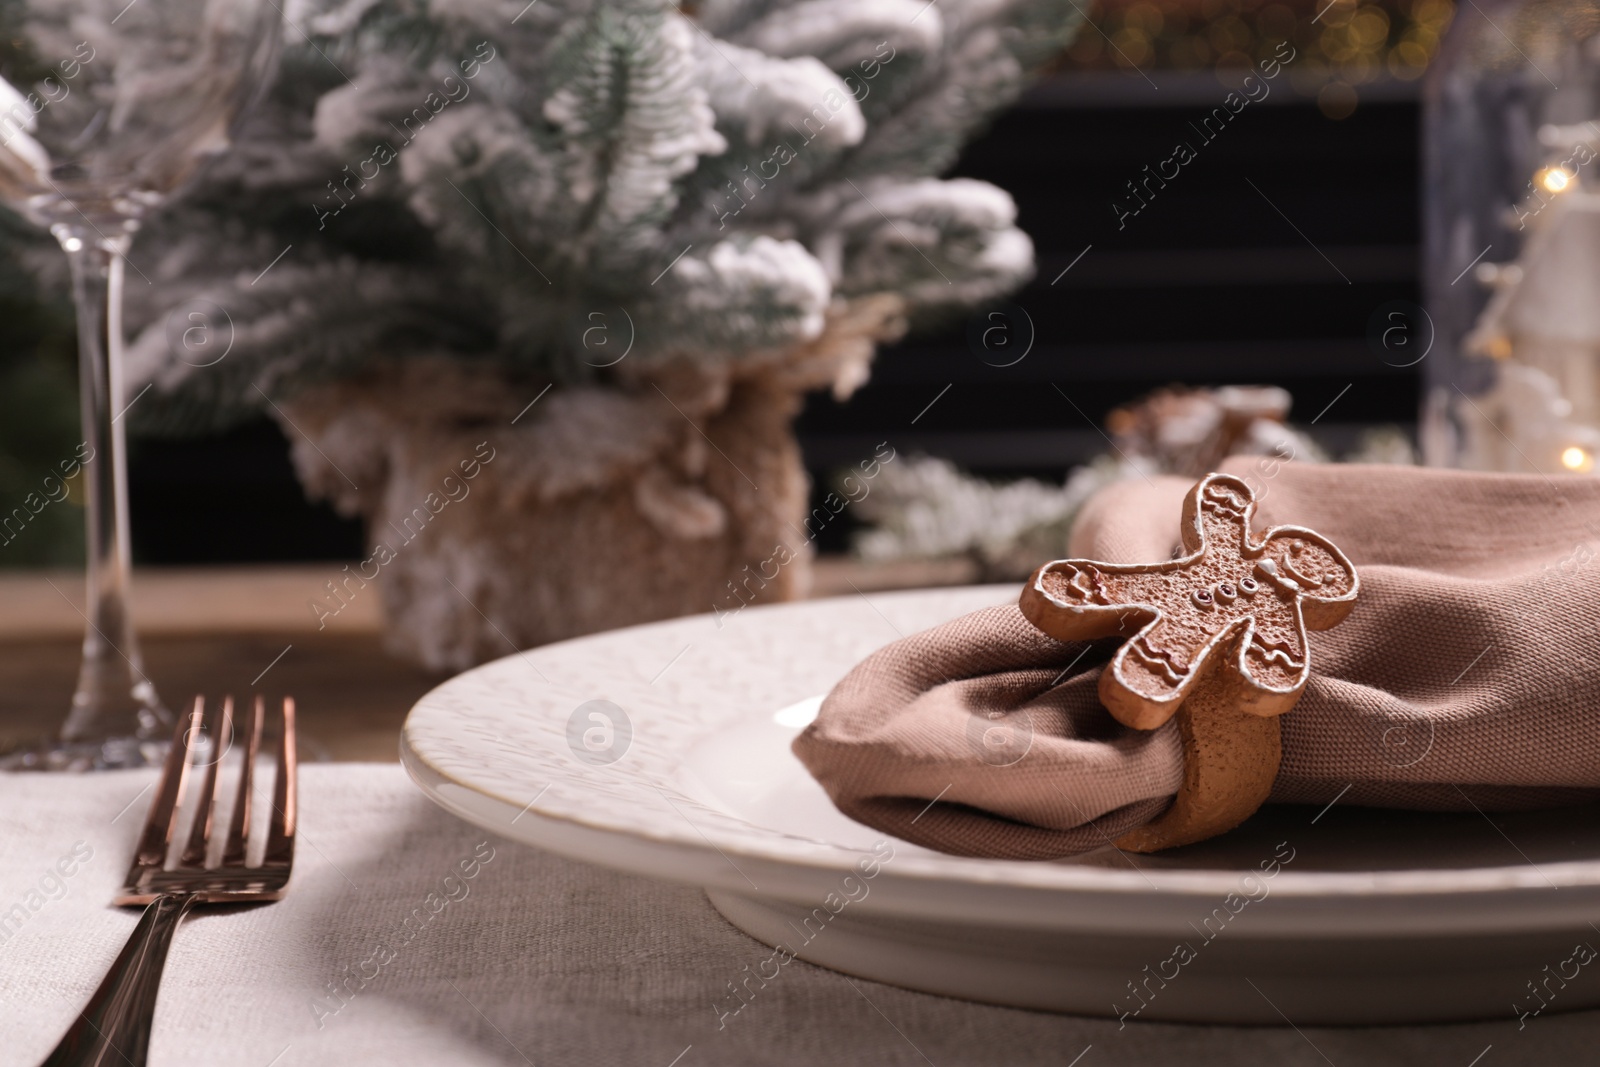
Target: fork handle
[114,1028]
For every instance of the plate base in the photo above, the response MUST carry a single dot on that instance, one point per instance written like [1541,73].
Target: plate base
[1314,982]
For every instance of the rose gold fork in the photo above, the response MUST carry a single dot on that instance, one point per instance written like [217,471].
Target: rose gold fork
[115,1026]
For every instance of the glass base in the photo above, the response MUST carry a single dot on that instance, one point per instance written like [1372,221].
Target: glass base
[111,754]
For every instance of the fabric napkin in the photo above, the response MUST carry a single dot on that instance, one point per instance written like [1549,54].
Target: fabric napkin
[1468,674]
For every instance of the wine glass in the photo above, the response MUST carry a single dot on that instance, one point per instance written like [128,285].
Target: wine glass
[107,108]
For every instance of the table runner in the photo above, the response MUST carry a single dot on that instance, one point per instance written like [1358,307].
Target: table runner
[478,951]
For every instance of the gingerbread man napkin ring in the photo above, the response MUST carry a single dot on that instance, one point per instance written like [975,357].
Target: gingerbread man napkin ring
[1216,636]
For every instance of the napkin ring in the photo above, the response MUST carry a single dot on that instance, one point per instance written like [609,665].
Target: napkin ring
[1216,637]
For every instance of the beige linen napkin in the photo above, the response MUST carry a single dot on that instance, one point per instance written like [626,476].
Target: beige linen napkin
[1468,674]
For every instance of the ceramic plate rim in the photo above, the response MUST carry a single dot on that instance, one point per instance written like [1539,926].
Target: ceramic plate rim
[833,859]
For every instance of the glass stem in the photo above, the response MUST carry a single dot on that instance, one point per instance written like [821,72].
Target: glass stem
[114,700]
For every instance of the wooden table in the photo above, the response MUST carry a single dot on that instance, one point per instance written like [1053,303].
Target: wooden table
[242,630]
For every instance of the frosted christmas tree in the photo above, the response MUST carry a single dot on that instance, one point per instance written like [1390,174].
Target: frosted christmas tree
[675,220]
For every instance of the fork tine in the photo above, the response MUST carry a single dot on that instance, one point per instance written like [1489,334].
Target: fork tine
[214,726]
[233,853]
[280,834]
[162,820]
[120,1012]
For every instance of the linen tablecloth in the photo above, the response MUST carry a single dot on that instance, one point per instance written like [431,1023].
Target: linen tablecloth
[410,937]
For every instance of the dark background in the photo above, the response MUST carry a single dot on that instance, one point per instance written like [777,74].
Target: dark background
[1210,284]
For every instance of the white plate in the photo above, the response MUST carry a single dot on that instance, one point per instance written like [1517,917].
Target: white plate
[686,775]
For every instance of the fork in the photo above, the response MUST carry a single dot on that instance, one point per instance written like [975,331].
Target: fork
[115,1026]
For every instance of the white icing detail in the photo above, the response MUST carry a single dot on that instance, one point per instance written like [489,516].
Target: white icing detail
[1150,660]
[1268,569]
[1276,654]
[1082,584]
[1288,565]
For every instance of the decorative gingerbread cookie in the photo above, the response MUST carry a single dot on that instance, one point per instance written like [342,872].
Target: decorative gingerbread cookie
[1216,636]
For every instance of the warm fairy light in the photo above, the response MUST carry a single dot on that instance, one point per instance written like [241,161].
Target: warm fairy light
[1554,179]
[1577,459]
